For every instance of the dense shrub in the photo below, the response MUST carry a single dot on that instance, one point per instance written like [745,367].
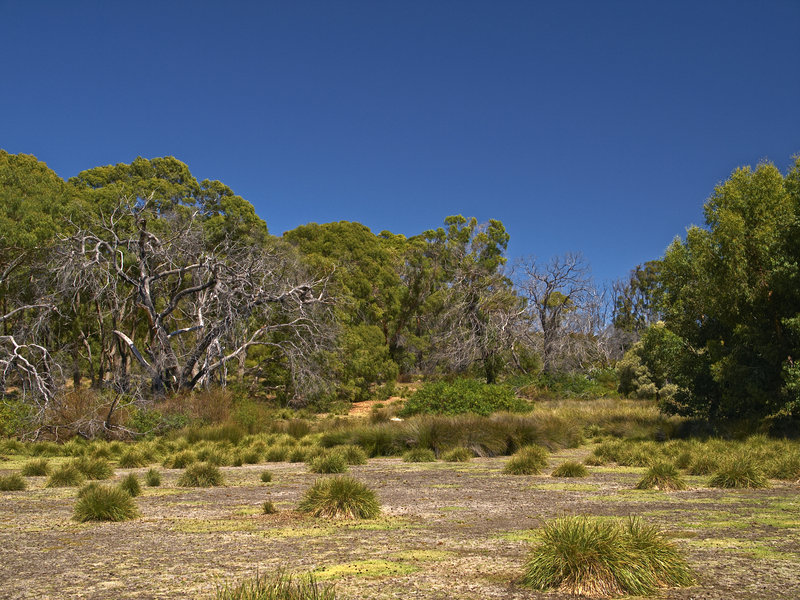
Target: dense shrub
[36,467]
[277,586]
[600,558]
[201,475]
[570,469]
[463,396]
[343,497]
[12,483]
[529,460]
[662,476]
[104,503]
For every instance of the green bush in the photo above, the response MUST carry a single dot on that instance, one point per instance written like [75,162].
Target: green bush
[570,469]
[458,455]
[662,476]
[201,475]
[67,475]
[12,483]
[529,460]
[463,396]
[277,586]
[330,462]
[739,472]
[266,476]
[152,478]
[343,497]
[418,455]
[600,558]
[36,467]
[104,503]
[130,484]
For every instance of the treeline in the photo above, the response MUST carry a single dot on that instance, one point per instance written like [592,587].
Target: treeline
[139,282]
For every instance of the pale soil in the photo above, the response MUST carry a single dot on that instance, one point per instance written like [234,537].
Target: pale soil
[742,543]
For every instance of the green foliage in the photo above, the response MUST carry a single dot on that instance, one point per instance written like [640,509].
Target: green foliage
[366,362]
[266,476]
[104,503]
[152,478]
[277,453]
[67,475]
[785,466]
[201,475]
[418,455]
[132,458]
[277,586]
[463,396]
[340,497]
[94,468]
[36,467]
[570,469]
[352,454]
[130,484]
[662,476]
[329,462]
[180,460]
[12,483]
[269,508]
[528,460]
[739,472]
[600,558]
[457,455]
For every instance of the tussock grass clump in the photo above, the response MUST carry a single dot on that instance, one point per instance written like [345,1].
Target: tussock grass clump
[277,453]
[269,508]
[180,460]
[277,586]
[601,558]
[330,462]
[266,476]
[104,503]
[131,484]
[252,456]
[67,475]
[340,497]
[12,483]
[297,455]
[739,472]
[94,468]
[352,454]
[152,478]
[529,460]
[785,467]
[458,455]
[213,456]
[594,461]
[132,458]
[201,475]
[36,467]
[419,455]
[662,476]
[570,468]
[703,464]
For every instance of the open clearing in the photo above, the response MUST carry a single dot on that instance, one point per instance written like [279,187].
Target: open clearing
[448,531]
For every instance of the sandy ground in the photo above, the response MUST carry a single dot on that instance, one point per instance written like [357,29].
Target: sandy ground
[448,531]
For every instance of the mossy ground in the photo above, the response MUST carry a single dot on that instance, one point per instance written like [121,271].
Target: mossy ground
[448,530]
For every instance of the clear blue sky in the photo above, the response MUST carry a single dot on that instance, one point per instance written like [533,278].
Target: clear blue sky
[591,126]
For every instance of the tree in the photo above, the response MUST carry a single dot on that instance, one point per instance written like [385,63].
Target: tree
[556,292]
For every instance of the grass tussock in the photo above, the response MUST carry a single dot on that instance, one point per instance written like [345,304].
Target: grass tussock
[457,455]
[570,468]
[152,478]
[94,468]
[662,476]
[329,462]
[67,475]
[277,586]
[104,503]
[419,455]
[132,458]
[266,476]
[529,460]
[603,558]
[739,472]
[131,484]
[269,508]
[12,483]
[36,467]
[180,459]
[352,454]
[201,475]
[340,497]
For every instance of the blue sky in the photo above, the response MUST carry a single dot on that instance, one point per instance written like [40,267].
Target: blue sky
[598,127]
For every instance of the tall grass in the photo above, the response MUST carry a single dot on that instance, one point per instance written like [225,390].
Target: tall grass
[277,586]
[340,497]
[104,503]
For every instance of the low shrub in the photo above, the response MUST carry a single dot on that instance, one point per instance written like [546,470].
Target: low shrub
[67,475]
[266,476]
[662,476]
[104,503]
[463,396]
[152,478]
[570,469]
[12,483]
[277,586]
[330,462]
[529,460]
[600,558]
[36,467]
[131,484]
[201,475]
[458,455]
[739,472]
[340,497]
[269,508]
[418,455]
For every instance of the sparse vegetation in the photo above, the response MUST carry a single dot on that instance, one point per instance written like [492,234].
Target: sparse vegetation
[269,508]
[340,497]
[277,586]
